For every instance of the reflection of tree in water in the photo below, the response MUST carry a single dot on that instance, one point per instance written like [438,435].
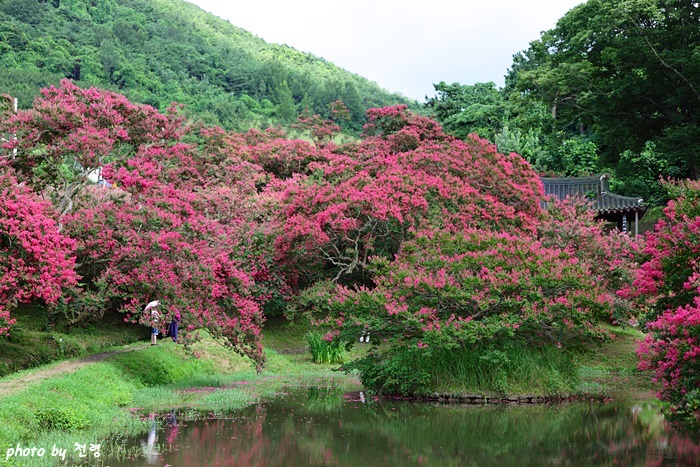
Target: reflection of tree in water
[574,434]
[220,442]
[316,427]
[324,400]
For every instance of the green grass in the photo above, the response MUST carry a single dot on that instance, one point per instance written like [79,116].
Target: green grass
[286,336]
[610,369]
[513,371]
[80,407]
[35,340]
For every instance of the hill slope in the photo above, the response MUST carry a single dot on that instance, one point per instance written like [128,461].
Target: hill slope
[163,51]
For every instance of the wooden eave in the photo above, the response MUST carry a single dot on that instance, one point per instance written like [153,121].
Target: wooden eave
[596,190]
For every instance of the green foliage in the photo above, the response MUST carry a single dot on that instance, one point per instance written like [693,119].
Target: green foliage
[171,51]
[402,370]
[640,174]
[622,73]
[66,419]
[465,109]
[615,86]
[505,370]
[578,157]
[508,370]
[78,307]
[523,142]
[323,350]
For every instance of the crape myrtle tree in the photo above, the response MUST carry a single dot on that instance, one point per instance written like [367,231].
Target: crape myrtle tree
[366,198]
[439,246]
[186,228]
[181,227]
[668,284]
[36,261]
[70,133]
[481,292]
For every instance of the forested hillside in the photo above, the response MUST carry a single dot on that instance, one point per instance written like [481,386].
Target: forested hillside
[613,87]
[162,51]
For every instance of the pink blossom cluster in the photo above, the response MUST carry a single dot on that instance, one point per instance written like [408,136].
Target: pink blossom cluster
[36,261]
[478,288]
[366,198]
[668,285]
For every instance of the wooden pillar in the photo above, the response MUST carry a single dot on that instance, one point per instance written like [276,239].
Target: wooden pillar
[14,109]
[636,223]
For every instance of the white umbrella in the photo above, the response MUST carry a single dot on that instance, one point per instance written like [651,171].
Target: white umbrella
[152,304]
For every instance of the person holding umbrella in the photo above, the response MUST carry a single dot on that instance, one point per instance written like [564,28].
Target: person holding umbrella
[152,307]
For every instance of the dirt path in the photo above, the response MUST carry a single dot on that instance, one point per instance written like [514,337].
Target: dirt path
[69,366]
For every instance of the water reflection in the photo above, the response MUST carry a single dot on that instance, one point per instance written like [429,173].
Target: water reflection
[327,427]
[149,448]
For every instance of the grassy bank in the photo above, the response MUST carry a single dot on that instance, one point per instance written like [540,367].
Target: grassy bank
[511,371]
[605,370]
[37,340]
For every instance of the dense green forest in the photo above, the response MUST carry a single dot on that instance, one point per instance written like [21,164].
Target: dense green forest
[162,51]
[613,87]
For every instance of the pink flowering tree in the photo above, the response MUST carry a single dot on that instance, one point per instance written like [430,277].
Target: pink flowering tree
[439,247]
[323,130]
[36,261]
[183,228]
[612,257]
[668,284]
[366,198]
[461,293]
[70,133]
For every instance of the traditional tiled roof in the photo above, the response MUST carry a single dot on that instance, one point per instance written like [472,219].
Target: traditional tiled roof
[595,189]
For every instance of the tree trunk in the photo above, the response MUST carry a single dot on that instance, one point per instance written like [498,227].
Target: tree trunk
[694,170]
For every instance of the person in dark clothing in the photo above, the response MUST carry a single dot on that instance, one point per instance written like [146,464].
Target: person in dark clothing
[172,327]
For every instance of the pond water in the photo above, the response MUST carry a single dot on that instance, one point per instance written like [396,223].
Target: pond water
[325,426]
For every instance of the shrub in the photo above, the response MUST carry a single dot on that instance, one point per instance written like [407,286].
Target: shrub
[479,292]
[668,283]
[36,260]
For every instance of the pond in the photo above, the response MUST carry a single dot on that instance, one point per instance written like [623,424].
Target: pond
[325,426]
